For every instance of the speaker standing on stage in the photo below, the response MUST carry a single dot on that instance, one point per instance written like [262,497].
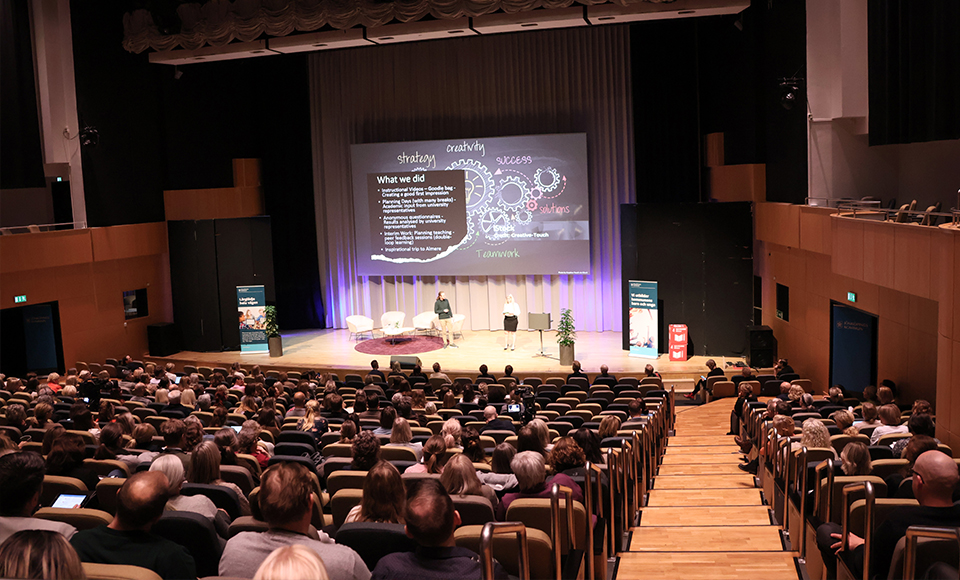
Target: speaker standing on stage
[511,313]
[442,309]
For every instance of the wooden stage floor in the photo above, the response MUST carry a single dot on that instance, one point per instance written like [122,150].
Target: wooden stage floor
[335,349]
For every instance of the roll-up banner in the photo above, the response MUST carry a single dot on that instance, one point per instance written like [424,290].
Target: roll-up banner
[251,301]
[643,319]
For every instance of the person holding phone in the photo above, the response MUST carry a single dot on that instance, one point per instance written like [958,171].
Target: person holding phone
[511,315]
[442,309]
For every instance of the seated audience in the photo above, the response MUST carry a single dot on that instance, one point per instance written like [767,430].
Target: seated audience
[383,499]
[609,426]
[387,417]
[433,453]
[66,459]
[935,477]
[294,562]
[921,424]
[174,406]
[402,436]
[172,469]
[431,521]
[365,451]
[452,428]
[472,446]
[539,427]
[460,478]
[589,442]
[529,440]
[855,459]
[500,477]
[373,406]
[39,554]
[205,469]
[286,502]
[299,405]
[21,477]
[577,372]
[844,421]
[312,421]
[870,415]
[127,539]
[494,423]
[890,423]
[531,473]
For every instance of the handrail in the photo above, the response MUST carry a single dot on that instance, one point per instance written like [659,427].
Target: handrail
[824,504]
[870,499]
[490,529]
[801,486]
[914,533]
[589,471]
[555,492]
[37,228]
[613,485]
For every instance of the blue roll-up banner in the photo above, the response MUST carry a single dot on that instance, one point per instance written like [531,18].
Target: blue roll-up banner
[39,332]
[251,301]
[644,323]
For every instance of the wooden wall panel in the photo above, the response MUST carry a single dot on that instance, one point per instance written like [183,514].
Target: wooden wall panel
[128,241]
[815,235]
[20,252]
[778,223]
[848,244]
[878,253]
[738,182]
[246,172]
[912,251]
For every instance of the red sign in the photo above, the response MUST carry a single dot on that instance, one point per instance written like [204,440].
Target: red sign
[677,343]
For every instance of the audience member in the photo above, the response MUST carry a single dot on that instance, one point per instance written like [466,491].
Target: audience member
[890,423]
[460,478]
[452,427]
[609,426]
[500,477]
[531,472]
[205,469]
[365,451]
[66,459]
[870,415]
[387,417]
[402,436]
[921,424]
[431,521]
[472,446]
[494,423]
[935,477]
[577,373]
[844,421]
[299,405]
[21,477]
[39,554]
[714,371]
[296,562]
[172,469]
[383,497]
[127,539]
[855,459]
[589,442]
[433,453]
[287,497]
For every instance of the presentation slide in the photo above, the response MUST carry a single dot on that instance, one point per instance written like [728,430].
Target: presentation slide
[496,206]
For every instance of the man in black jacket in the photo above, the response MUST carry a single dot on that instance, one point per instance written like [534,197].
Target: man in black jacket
[714,372]
[494,423]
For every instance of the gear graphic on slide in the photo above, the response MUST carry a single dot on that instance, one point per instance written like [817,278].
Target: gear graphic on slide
[478,183]
[524,217]
[513,193]
[471,237]
[532,205]
[552,179]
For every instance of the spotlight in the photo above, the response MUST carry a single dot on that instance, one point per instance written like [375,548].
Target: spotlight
[177,73]
[789,92]
[89,136]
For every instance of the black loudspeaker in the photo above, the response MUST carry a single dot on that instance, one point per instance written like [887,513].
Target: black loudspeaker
[163,339]
[406,362]
[763,347]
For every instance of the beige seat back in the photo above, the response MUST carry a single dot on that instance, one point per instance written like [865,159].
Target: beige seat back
[342,502]
[80,518]
[535,513]
[397,453]
[345,480]
[104,467]
[118,572]
[539,550]
[928,551]
[54,485]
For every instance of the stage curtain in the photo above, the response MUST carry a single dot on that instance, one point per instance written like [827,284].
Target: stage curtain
[563,81]
[219,22]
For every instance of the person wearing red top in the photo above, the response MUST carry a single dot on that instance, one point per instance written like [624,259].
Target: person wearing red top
[53,381]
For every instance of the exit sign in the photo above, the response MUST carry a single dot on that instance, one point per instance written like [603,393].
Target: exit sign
[851,296]
[19,299]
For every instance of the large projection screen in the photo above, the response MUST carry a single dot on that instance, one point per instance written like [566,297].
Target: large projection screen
[494,206]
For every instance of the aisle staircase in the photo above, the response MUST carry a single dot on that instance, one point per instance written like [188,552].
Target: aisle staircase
[704,517]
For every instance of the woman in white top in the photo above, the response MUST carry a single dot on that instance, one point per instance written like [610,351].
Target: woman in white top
[511,316]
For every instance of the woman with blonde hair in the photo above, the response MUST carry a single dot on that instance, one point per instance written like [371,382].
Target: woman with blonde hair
[162,396]
[312,422]
[460,478]
[453,428]
[855,459]
[891,423]
[296,562]
[348,430]
[205,469]
[609,426]
[844,421]
[188,398]
[402,436]
[539,427]
[795,392]
[384,497]
[815,434]
[172,468]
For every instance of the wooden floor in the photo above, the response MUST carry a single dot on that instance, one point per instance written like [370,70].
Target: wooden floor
[335,349]
[705,519]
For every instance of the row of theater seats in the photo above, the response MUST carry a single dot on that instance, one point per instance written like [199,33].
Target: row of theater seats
[808,488]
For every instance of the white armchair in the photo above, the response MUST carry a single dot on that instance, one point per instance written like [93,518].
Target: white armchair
[392,319]
[359,324]
[425,321]
[458,324]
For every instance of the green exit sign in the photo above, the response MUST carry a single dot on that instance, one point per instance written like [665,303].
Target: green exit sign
[851,296]
[19,299]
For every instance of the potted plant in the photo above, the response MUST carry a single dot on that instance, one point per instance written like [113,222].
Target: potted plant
[272,329]
[566,337]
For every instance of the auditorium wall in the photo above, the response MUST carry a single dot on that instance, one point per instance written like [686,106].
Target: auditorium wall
[86,272]
[904,274]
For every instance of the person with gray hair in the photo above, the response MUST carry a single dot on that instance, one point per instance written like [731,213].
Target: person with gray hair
[172,468]
[204,402]
[174,405]
[494,423]
[531,472]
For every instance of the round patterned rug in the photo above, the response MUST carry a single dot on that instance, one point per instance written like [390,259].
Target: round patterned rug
[400,345]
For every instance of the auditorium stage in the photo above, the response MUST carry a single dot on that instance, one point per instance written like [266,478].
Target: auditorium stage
[334,349]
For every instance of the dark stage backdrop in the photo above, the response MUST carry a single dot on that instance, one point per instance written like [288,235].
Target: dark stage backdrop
[701,255]
[208,260]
